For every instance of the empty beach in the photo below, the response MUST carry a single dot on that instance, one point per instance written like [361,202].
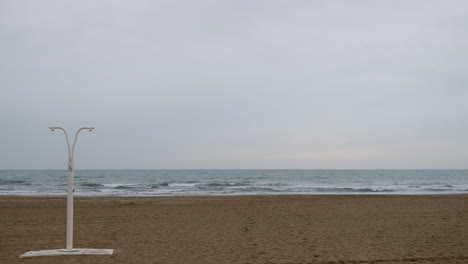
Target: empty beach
[241,229]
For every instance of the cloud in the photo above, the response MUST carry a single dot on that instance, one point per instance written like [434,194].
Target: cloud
[168,82]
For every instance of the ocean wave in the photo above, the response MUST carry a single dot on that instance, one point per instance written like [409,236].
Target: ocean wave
[351,190]
[125,187]
[87,184]
[183,184]
[22,182]
[256,189]
[224,184]
[437,190]
[159,185]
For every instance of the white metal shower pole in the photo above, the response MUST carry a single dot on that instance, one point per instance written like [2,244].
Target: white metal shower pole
[69,250]
[70,191]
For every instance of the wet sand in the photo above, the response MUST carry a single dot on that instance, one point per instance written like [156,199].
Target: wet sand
[241,229]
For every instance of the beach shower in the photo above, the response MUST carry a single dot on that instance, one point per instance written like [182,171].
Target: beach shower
[69,250]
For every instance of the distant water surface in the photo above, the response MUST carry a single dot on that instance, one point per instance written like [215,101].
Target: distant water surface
[233,182]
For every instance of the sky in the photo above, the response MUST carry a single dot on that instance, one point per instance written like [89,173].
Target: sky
[235,84]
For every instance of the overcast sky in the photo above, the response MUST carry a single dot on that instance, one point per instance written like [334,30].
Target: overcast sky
[235,84]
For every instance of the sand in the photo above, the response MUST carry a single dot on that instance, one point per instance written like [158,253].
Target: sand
[241,229]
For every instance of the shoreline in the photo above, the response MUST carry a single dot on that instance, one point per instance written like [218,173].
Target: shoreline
[235,195]
[386,229]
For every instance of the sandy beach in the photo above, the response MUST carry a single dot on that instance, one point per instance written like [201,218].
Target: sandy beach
[241,229]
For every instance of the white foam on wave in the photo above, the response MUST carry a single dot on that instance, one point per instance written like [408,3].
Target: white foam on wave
[182,184]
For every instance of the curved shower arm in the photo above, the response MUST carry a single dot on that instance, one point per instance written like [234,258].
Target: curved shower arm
[66,138]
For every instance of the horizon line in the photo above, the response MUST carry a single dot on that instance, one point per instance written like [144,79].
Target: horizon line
[244,169]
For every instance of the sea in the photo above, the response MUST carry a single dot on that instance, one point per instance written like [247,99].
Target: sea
[233,182]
